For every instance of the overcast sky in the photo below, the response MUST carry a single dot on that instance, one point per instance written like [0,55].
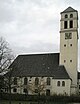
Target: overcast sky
[32,26]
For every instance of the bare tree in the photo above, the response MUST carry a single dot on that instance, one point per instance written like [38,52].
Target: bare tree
[8,83]
[6,58]
[39,89]
[6,55]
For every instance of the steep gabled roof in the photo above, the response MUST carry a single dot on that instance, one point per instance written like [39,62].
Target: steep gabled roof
[69,9]
[37,65]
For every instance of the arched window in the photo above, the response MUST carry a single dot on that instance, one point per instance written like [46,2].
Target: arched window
[71,24]
[71,15]
[25,91]
[25,81]
[66,16]
[15,81]
[14,90]
[65,25]
[63,83]
[48,81]
[58,83]
[36,81]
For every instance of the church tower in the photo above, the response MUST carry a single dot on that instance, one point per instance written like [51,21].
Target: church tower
[69,43]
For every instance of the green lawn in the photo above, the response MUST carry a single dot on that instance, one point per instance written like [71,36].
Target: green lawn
[14,102]
[24,102]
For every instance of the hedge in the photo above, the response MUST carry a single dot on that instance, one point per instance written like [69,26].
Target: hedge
[24,97]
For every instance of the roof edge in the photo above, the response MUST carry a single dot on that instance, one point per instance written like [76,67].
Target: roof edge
[69,9]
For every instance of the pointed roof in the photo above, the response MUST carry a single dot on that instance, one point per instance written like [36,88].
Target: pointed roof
[69,9]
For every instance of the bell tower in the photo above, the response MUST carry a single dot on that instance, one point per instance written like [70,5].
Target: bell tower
[69,43]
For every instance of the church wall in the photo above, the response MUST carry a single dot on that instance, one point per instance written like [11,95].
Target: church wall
[54,89]
[61,90]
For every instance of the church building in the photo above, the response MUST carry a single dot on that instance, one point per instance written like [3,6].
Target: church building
[51,73]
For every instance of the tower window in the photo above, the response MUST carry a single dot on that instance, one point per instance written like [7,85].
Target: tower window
[65,24]
[71,24]
[66,16]
[71,15]
[71,45]
[68,35]
[64,61]
[70,60]
[64,45]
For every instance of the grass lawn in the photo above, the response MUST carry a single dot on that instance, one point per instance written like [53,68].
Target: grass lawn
[14,102]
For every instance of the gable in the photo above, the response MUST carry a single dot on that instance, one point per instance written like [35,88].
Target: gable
[69,9]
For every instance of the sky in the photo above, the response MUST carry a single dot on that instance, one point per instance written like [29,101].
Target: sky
[32,26]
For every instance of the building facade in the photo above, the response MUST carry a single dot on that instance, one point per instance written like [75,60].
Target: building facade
[51,73]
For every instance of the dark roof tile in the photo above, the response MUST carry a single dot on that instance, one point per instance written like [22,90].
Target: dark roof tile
[39,65]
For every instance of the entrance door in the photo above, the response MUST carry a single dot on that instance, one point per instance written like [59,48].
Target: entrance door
[48,92]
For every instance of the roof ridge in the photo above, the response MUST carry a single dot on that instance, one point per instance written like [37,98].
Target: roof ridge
[69,9]
[37,54]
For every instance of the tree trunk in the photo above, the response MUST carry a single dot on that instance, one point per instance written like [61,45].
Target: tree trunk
[9,90]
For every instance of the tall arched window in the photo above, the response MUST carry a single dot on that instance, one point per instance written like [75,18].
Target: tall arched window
[25,81]
[48,81]
[71,24]
[15,81]
[65,25]
[58,83]
[63,83]
[36,81]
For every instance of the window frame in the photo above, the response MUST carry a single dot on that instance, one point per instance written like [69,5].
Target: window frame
[63,83]
[25,81]
[66,16]
[65,24]
[71,24]
[58,83]
[36,81]
[48,81]
[68,36]
[71,15]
